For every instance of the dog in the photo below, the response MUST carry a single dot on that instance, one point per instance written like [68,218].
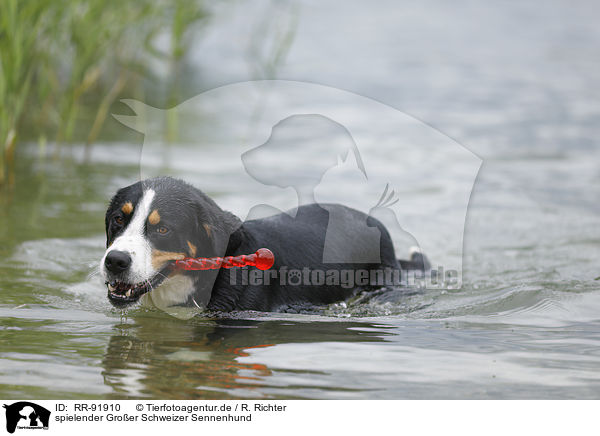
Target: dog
[155,222]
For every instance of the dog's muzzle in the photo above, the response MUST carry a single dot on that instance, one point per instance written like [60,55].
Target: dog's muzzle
[121,290]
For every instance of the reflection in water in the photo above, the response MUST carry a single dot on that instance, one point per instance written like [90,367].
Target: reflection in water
[160,357]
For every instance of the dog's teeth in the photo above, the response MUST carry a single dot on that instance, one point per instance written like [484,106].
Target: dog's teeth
[128,293]
[111,288]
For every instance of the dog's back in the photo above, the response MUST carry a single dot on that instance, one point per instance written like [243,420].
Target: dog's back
[300,273]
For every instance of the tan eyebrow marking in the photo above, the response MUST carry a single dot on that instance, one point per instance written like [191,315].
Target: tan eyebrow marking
[192,249]
[208,229]
[159,258]
[154,217]
[127,208]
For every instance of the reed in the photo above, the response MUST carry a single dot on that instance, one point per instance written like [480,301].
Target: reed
[63,62]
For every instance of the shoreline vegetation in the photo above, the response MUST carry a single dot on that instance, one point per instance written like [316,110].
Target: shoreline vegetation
[63,63]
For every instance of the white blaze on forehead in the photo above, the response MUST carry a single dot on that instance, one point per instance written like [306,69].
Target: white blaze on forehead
[138,222]
[133,242]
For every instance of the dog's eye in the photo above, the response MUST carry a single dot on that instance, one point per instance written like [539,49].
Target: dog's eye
[119,220]
[162,230]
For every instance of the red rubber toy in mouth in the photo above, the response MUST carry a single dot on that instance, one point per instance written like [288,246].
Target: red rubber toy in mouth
[263,259]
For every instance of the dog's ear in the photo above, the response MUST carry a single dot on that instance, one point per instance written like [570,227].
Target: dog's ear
[214,227]
[216,231]
[222,232]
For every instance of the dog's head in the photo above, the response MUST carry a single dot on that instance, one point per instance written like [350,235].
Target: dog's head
[153,223]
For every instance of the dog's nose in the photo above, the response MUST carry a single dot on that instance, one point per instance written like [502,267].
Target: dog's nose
[117,261]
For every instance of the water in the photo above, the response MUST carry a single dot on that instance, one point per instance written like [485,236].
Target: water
[516,84]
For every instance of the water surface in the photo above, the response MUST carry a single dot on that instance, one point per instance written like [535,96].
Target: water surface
[516,84]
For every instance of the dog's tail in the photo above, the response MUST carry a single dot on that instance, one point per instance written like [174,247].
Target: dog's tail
[417,260]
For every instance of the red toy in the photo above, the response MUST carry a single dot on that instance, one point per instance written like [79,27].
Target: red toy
[263,259]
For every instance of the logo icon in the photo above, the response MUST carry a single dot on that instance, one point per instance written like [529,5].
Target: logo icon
[26,415]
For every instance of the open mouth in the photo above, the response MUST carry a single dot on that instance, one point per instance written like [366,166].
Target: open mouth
[122,293]
[127,292]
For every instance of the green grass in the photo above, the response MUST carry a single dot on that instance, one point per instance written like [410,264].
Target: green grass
[63,62]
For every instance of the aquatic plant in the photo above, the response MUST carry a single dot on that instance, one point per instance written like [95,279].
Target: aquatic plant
[54,54]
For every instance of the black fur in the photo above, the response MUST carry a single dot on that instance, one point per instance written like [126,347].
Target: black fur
[297,243]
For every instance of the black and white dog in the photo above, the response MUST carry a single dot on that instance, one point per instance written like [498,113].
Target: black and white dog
[155,222]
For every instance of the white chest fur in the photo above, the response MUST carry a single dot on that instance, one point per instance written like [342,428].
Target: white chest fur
[173,291]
